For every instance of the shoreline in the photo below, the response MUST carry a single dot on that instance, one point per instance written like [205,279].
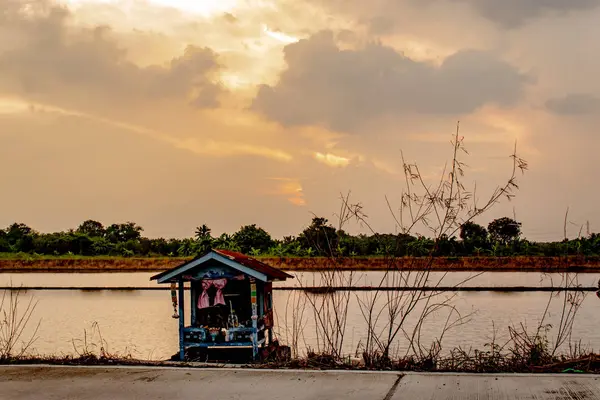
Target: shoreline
[581,264]
[298,365]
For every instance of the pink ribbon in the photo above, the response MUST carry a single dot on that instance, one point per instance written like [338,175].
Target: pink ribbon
[203,301]
[219,284]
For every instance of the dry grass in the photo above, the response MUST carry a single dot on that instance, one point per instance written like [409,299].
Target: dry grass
[14,318]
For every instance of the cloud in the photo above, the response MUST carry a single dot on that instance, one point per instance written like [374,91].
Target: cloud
[115,92]
[514,13]
[341,89]
[380,25]
[332,160]
[71,168]
[8,106]
[233,149]
[206,147]
[574,104]
[50,59]
[280,36]
[291,189]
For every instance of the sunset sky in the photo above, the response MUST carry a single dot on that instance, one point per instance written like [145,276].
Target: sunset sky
[175,113]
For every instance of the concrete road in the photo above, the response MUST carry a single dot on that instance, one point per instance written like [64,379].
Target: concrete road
[502,386]
[94,383]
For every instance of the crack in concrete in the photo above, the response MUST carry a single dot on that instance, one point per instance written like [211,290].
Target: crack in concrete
[392,390]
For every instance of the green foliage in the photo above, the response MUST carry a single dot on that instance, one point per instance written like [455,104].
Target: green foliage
[20,237]
[204,240]
[92,229]
[470,231]
[251,237]
[474,236]
[225,242]
[4,245]
[319,239]
[117,233]
[320,236]
[101,246]
[420,247]
[504,230]
[447,246]
[203,232]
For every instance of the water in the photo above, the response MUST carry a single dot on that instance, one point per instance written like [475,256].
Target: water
[356,278]
[139,322]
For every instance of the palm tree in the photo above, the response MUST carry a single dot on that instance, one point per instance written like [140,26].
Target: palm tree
[203,232]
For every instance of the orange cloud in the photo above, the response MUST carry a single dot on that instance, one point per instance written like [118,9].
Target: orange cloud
[217,148]
[206,147]
[10,106]
[386,167]
[331,159]
[280,36]
[291,189]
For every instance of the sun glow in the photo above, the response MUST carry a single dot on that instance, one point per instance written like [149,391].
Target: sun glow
[291,189]
[332,160]
[11,106]
[204,8]
[280,36]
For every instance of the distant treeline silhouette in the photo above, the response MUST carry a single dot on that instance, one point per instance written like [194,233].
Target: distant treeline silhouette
[502,237]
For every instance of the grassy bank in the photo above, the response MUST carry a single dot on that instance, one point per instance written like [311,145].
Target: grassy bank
[121,264]
[478,362]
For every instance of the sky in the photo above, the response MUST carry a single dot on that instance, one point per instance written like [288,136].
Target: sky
[175,113]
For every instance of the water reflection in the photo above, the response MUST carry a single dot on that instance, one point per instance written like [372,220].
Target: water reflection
[140,321]
[357,278]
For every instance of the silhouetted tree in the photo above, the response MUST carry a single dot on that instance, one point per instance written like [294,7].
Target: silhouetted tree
[474,238]
[203,232]
[204,240]
[504,230]
[470,231]
[320,236]
[120,233]
[20,237]
[320,239]
[251,237]
[92,228]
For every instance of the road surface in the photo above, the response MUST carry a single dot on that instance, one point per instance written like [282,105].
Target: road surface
[94,383]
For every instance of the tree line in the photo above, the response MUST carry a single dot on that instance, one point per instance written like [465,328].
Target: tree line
[502,237]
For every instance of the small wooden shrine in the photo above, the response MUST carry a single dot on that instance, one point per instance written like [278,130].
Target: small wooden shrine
[231,302]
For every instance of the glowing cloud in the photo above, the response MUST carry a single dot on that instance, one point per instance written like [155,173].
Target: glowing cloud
[280,36]
[205,8]
[385,167]
[205,147]
[202,7]
[215,148]
[291,189]
[332,160]
[9,106]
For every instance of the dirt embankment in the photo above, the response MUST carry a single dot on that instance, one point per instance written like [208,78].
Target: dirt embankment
[524,264]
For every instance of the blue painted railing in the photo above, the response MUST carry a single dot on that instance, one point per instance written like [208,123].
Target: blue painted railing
[200,337]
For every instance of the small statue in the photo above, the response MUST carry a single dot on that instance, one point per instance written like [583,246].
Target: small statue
[232,319]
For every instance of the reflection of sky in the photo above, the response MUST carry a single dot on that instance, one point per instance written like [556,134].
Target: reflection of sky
[493,279]
[487,316]
[140,321]
[357,278]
